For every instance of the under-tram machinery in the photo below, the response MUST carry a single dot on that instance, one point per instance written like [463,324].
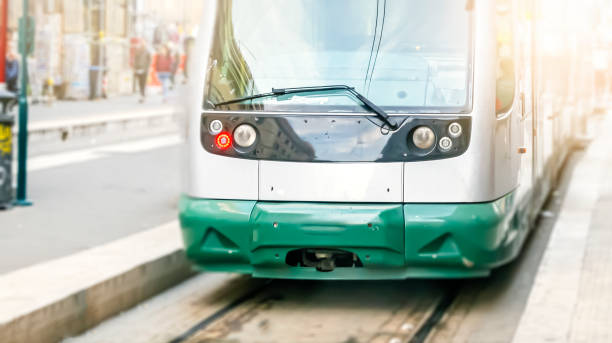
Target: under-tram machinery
[365,139]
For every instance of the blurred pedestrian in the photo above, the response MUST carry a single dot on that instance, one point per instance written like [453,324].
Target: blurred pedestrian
[142,63]
[176,64]
[12,72]
[163,68]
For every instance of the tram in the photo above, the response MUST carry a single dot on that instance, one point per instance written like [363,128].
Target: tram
[377,139]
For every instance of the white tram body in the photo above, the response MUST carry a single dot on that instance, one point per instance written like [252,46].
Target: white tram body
[518,89]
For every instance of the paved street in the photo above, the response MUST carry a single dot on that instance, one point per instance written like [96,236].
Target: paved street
[84,204]
[98,186]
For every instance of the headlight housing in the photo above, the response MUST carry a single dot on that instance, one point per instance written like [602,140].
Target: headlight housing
[245,136]
[423,138]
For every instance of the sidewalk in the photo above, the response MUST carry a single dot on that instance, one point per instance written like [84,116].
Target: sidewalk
[571,300]
[65,297]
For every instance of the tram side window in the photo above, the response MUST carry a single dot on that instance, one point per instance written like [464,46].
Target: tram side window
[506,80]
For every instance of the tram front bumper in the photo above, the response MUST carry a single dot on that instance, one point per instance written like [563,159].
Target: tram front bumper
[390,241]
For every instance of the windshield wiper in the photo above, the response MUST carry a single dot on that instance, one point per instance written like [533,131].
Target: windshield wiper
[284,91]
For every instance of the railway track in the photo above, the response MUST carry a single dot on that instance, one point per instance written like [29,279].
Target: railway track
[218,315]
[262,314]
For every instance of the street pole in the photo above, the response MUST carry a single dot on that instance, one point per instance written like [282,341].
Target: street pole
[22,142]
[3,43]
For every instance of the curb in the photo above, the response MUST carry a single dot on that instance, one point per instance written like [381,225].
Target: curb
[66,297]
[62,130]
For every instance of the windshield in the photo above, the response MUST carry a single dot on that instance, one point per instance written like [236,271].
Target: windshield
[403,55]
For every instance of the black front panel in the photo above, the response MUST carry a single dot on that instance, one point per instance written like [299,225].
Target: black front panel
[334,138]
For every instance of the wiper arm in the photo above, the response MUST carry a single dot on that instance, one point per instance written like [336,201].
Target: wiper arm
[237,100]
[284,91]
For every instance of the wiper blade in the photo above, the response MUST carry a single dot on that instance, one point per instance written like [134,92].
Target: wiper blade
[284,91]
[281,91]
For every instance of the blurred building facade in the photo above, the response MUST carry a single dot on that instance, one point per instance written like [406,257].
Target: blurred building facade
[84,48]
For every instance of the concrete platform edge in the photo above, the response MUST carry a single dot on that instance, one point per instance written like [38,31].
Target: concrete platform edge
[76,311]
[62,130]
[68,124]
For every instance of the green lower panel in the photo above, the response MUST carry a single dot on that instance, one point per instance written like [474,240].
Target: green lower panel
[476,236]
[374,232]
[391,241]
[215,233]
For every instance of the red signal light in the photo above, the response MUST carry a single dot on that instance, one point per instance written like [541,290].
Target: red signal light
[223,140]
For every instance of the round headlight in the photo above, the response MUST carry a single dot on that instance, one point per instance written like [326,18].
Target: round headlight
[446,144]
[245,135]
[216,126]
[424,138]
[455,130]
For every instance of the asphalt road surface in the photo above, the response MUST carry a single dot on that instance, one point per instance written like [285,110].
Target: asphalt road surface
[84,198]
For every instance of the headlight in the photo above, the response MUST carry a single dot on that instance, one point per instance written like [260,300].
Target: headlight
[455,130]
[245,135]
[424,138]
[446,144]
[216,127]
